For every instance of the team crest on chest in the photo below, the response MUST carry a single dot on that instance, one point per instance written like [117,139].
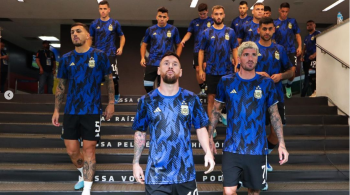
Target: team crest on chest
[312,38]
[197,24]
[236,24]
[168,34]
[277,55]
[278,27]
[208,24]
[110,27]
[98,27]
[184,109]
[258,92]
[227,36]
[92,62]
[290,25]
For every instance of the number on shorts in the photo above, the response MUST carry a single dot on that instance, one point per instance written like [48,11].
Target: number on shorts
[97,125]
[295,60]
[195,192]
[115,68]
[263,176]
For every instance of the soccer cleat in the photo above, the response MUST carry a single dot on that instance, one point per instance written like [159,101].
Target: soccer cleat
[288,92]
[224,118]
[116,99]
[215,133]
[240,185]
[269,167]
[80,184]
[86,192]
[266,187]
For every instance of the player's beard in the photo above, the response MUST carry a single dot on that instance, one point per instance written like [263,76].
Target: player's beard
[170,79]
[218,23]
[247,68]
[263,38]
[79,44]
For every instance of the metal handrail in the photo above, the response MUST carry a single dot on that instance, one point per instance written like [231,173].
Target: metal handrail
[323,50]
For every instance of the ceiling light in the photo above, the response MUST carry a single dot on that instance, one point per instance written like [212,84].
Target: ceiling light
[48,38]
[193,3]
[98,1]
[21,1]
[333,5]
[56,45]
[258,1]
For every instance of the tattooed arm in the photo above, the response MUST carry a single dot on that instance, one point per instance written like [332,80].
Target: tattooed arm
[111,93]
[214,118]
[59,95]
[139,144]
[277,126]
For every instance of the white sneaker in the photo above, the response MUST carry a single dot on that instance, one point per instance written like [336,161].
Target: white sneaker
[202,94]
[224,118]
[313,94]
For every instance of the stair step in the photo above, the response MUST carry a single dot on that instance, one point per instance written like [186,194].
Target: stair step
[125,128]
[122,117]
[123,173]
[127,141]
[125,155]
[290,188]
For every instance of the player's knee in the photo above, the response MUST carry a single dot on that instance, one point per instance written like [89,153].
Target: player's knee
[148,85]
[254,191]
[73,152]
[230,191]
[197,69]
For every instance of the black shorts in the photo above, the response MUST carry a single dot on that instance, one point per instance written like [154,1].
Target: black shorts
[113,62]
[282,112]
[151,73]
[172,189]
[212,82]
[252,166]
[87,127]
[293,59]
[195,59]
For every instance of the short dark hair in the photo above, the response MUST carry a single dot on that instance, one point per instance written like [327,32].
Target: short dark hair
[258,4]
[163,10]
[170,53]
[202,7]
[104,2]
[80,24]
[267,8]
[266,20]
[285,5]
[310,21]
[243,3]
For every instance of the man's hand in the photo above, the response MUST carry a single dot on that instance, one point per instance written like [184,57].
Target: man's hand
[313,56]
[263,74]
[283,154]
[298,51]
[276,77]
[212,146]
[119,51]
[55,117]
[209,158]
[138,173]
[109,111]
[41,70]
[183,43]
[143,62]
[202,75]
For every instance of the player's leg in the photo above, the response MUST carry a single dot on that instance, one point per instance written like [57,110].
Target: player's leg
[254,172]
[42,82]
[71,135]
[200,82]
[293,59]
[50,83]
[306,67]
[113,61]
[232,170]
[150,77]
[91,132]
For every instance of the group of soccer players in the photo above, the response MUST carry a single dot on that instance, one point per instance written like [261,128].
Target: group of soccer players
[241,68]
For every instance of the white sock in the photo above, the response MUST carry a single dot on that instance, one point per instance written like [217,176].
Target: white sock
[87,186]
[81,170]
